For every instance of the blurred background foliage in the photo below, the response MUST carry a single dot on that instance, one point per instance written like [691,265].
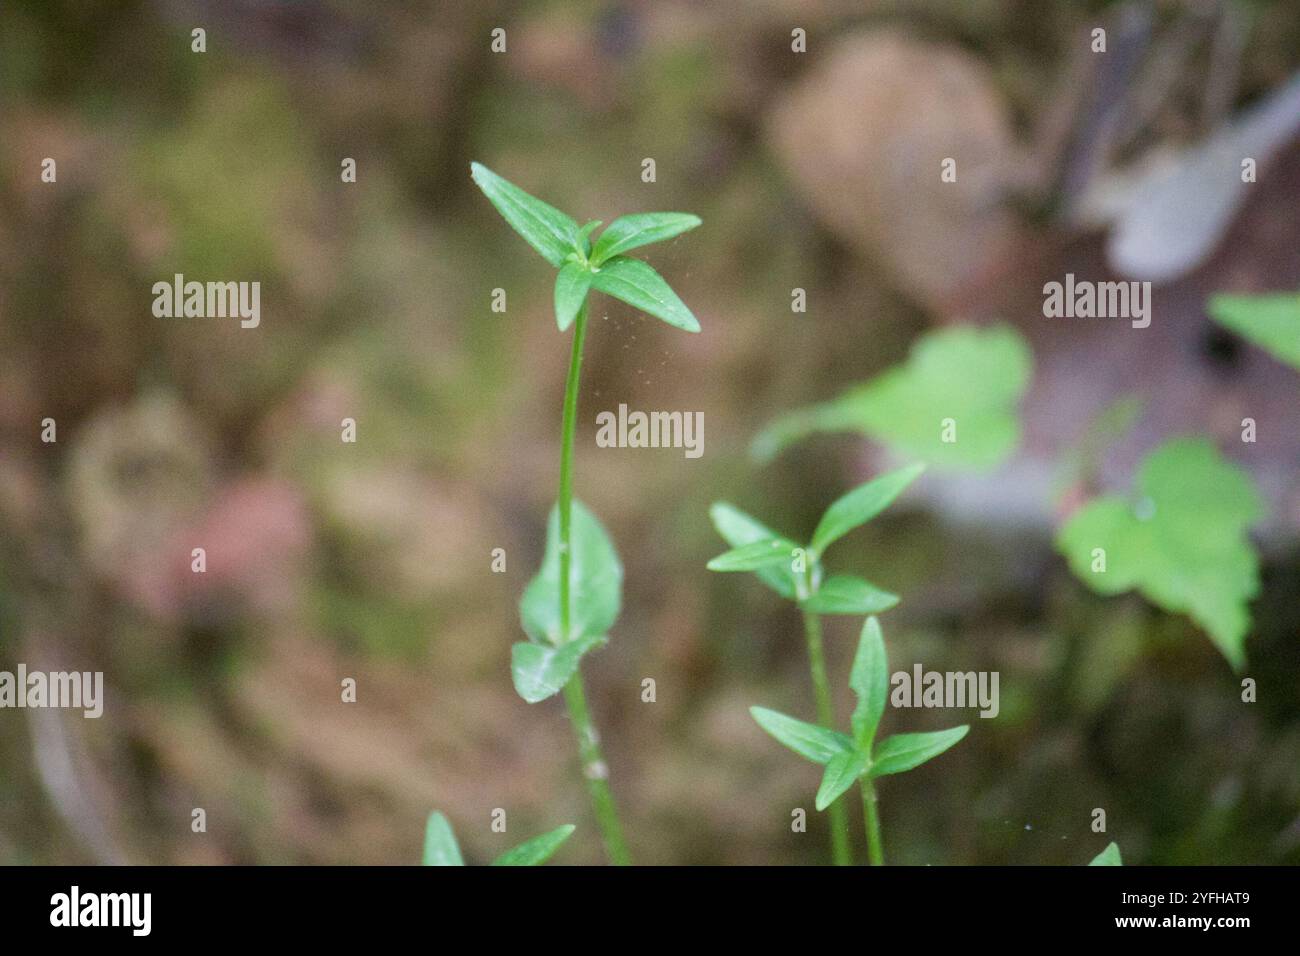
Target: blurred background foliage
[326,560]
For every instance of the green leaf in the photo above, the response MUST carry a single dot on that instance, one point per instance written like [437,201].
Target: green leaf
[638,285]
[841,773]
[1182,542]
[870,681]
[845,594]
[545,228]
[756,555]
[641,229]
[1108,857]
[738,528]
[440,846]
[540,671]
[817,744]
[571,285]
[974,376]
[1270,321]
[861,505]
[595,583]
[903,752]
[584,235]
[537,850]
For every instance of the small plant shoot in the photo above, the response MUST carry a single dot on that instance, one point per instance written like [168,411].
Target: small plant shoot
[568,609]
[796,574]
[855,757]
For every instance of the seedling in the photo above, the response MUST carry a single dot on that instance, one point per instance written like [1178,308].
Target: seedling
[441,848]
[569,607]
[795,573]
[856,758]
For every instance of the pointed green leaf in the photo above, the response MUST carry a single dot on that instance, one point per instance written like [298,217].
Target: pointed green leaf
[904,751]
[1108,857]
[817,744]
[844,594]
[537,850]
[861,505]
[870,681]
[640,286]
[545,228]
[571,285]
[440,846]
[641,229]
[973,376]
[1181,541]
[738,528]
[1270,321]
[540,671]
[756,555]
[841,773]
[595,583]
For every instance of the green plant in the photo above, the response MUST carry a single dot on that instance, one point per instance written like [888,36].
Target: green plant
[441,848]
[855,757]
[1181,540]
[1270,321]
[568,608]
[796,574]
[952,403]
[1108,857]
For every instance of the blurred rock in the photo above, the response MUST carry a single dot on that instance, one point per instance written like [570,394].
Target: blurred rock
[863,135]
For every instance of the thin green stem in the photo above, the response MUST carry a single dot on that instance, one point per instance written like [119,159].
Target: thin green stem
[566,462]
[841,851]
[596,772]
[875,852]
[594,768]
